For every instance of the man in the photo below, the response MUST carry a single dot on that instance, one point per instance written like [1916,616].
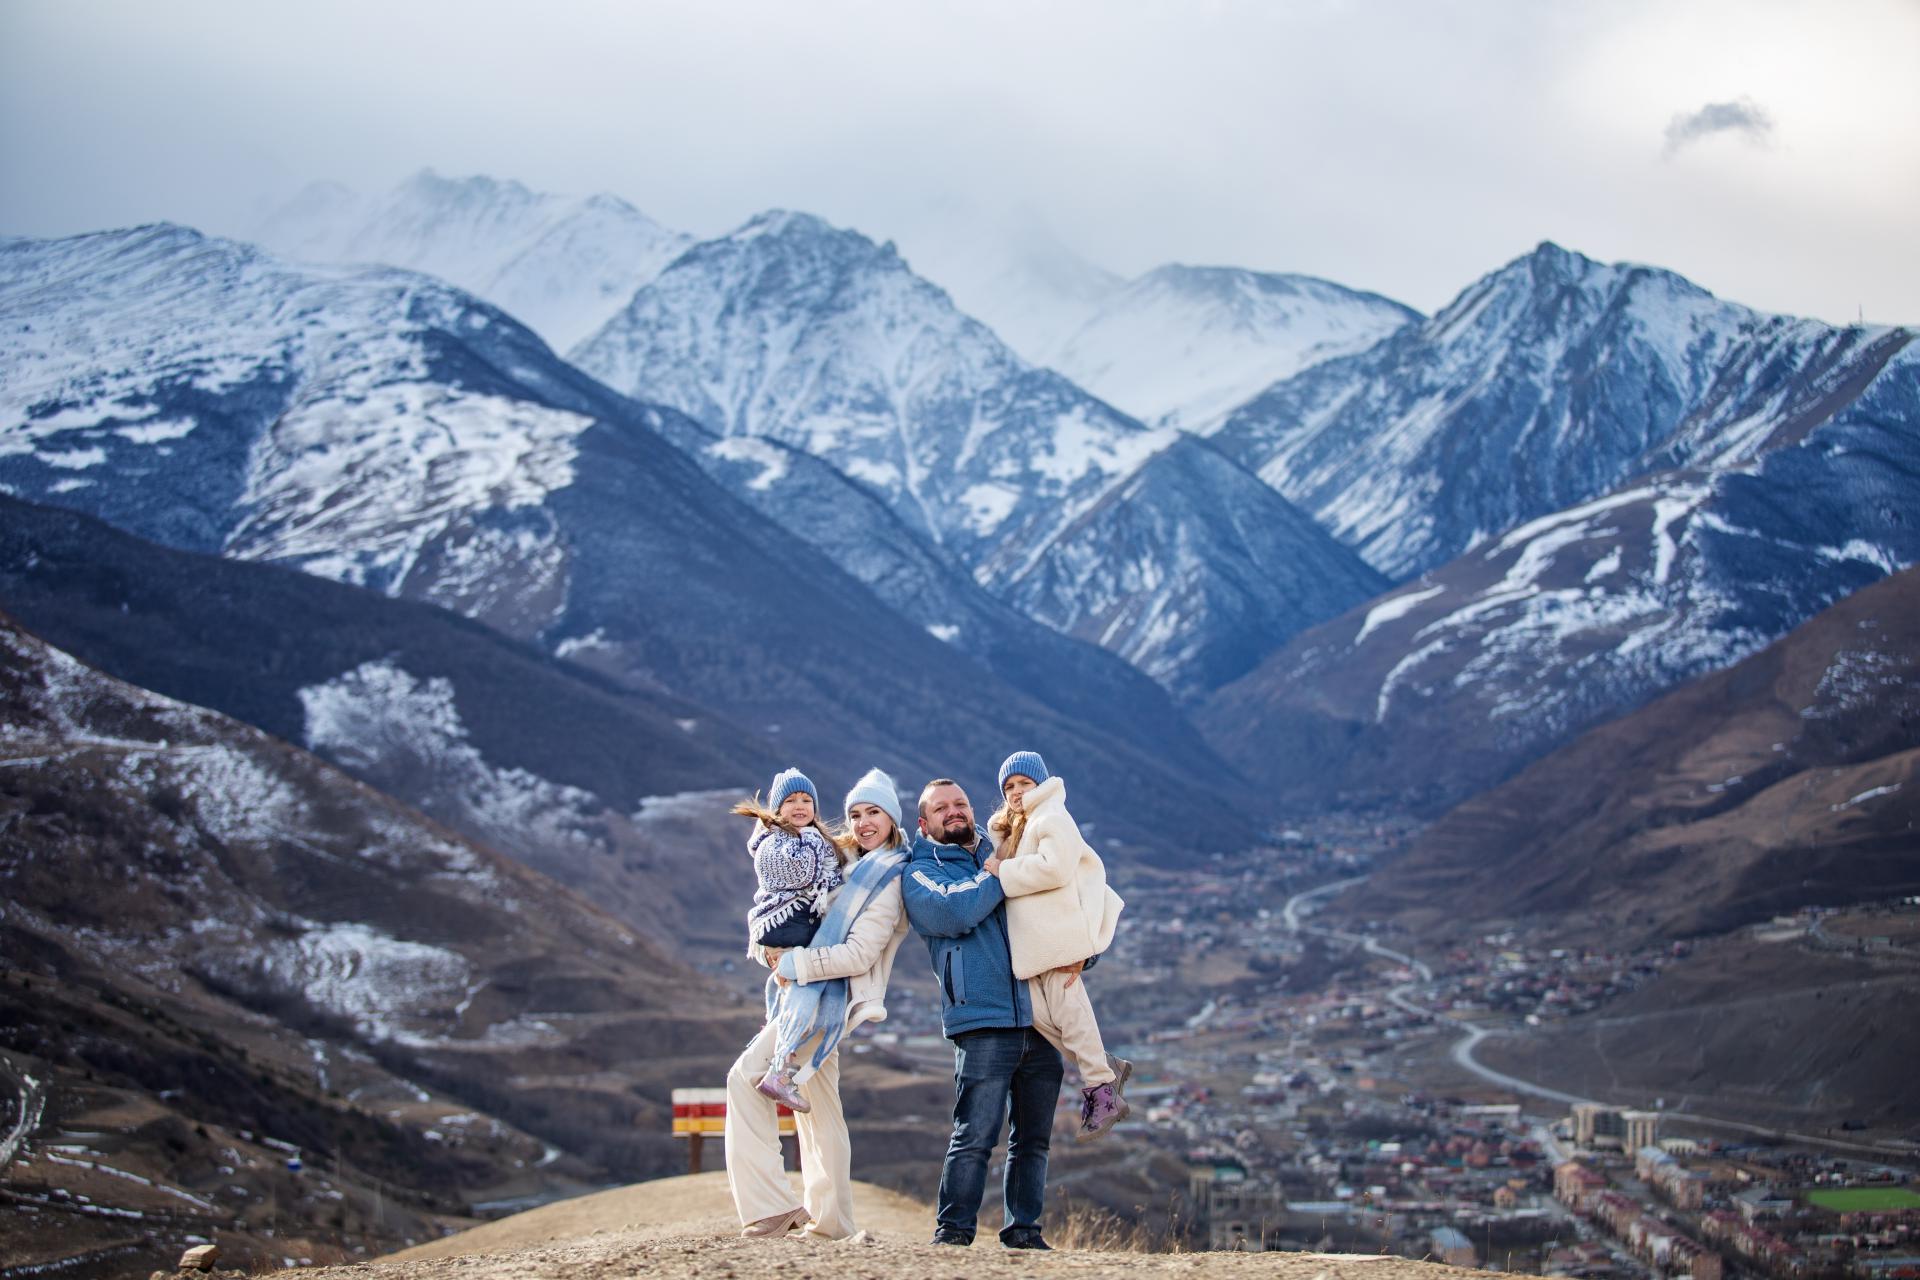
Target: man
[1003,1068]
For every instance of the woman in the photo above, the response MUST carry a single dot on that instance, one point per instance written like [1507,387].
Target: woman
[856,942]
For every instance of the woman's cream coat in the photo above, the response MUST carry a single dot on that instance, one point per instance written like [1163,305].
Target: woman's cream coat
[865,959]
[1059,908]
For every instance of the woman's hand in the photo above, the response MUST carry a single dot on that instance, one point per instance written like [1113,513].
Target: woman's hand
[992,865]
[1072,971]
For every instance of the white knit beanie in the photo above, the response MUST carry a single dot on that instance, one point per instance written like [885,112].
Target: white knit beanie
[874,787]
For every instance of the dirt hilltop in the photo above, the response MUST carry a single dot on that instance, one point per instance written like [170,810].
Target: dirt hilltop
[682,1228]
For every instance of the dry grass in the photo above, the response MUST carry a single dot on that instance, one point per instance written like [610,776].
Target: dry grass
[1088,1226]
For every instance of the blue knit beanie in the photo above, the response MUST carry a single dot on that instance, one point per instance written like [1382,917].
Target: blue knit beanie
[1026,763]
[875,787]
[788,781]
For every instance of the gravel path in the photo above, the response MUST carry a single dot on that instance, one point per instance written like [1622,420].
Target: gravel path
[684,1229]
[709,1257]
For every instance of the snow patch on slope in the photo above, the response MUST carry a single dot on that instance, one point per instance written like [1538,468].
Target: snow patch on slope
[1392,610]
[380,718]
[379,983]
[420,455]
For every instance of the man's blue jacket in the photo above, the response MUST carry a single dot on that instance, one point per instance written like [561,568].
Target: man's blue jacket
[961,912]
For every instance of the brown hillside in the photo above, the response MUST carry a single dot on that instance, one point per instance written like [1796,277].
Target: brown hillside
[270,1006]
[1786,780]
[1776,1028]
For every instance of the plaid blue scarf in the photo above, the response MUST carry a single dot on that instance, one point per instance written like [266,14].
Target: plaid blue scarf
[798,1011]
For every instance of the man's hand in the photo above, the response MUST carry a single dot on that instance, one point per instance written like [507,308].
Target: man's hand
[1072,971]
[782,978]
[992,865]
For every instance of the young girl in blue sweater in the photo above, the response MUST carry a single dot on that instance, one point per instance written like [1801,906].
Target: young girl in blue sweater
[797,866]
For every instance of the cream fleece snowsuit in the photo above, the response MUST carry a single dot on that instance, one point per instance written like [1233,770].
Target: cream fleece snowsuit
[1059,911]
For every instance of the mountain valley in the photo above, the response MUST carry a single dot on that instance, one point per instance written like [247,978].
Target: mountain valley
[390,611]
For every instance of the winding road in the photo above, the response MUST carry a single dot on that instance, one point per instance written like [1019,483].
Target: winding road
[1472,1034]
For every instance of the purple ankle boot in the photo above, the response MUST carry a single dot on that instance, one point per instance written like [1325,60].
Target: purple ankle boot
[1103,1109]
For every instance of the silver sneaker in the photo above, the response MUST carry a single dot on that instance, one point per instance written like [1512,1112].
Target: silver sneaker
[779,1086]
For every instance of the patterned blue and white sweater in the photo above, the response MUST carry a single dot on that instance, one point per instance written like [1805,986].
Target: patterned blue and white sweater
[796,873]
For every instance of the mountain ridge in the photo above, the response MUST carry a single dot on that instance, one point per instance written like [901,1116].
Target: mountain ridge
[562,265]
[1186,345]
[416,441]
[1580,616]
[1792,776]
[1548,382]
[792,330]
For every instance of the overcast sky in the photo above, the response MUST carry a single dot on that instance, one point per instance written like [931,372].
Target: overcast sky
[1768,151]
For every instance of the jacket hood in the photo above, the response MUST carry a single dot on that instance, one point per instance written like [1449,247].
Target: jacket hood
[926,845]
[1049,795]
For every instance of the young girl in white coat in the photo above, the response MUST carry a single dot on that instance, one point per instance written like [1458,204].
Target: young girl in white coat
[1060,913]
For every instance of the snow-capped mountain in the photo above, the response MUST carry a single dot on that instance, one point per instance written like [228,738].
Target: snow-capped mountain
[1545,384]
[1191,569]
[862,535]
[1178,346]
[355,423]
[1182,346]
[1450,683]
[380,428]
[561,265]
[792,331]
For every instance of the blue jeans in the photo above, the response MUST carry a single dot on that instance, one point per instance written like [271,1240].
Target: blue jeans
[1013,1074]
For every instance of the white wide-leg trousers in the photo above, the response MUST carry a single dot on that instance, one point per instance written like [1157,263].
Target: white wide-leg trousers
[756,1169]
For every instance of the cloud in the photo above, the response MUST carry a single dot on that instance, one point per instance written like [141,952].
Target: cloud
[1745,116]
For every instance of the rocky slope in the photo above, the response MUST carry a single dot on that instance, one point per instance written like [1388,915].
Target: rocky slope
[562,770]
[219,948]
[794,331]
[381,429]
[1787,779]
[861,534]
[1193,602]
[1453,682]
[1834,1020]
[1546,384]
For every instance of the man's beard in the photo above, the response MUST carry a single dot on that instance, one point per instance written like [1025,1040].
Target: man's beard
[962,836]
